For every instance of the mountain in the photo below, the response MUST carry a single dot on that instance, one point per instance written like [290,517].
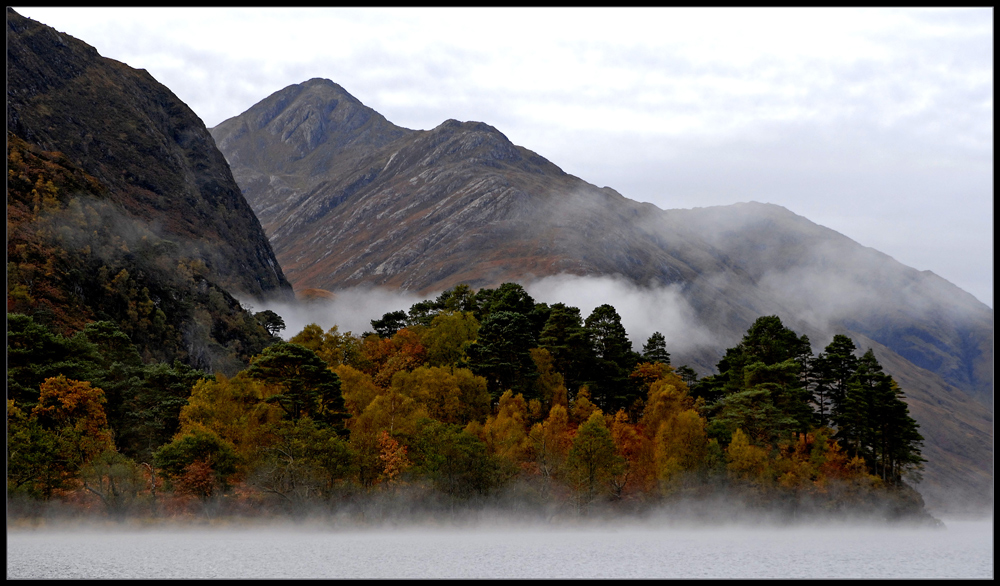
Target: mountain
[136,137]
[349,199]
[121,207]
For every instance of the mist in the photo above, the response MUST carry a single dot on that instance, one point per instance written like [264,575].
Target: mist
[389,537]
[643,310]
[351,310]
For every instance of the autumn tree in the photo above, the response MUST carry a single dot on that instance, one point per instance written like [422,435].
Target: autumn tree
[332,347]
[629,446]
[448,337]
[405,351]
[592,459]
[237,410]
[550,388]
[449,395]
[198,461]
[746,461]
[392,457]
[550,441]
[390,411]
[357,388]
[681,446]
[75,411]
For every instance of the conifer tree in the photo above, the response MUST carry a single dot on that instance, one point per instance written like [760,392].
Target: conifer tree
[655,349]
[876,425]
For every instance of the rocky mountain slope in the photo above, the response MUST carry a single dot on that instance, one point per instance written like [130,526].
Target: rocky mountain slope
[154,155]
[120,207]
[347,199]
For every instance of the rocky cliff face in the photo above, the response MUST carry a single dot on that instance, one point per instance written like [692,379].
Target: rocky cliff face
[154,155]
[349,199]
[121,208]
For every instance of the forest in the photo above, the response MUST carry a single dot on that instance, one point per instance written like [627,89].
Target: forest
[466,400]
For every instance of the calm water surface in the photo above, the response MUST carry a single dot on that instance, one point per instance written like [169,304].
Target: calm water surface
[964,549]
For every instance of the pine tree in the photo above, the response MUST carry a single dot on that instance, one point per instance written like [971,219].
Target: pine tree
[655,349]
[834,368]
[875,423]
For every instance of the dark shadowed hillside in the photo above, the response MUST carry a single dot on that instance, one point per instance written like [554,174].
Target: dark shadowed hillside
[121,208]
[153,154]
[349,199]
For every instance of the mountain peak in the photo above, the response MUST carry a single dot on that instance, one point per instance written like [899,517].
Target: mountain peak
[304,116]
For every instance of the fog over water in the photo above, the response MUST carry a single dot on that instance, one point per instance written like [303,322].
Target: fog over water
[964,549]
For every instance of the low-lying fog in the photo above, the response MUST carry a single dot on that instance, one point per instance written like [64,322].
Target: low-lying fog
[494,548]
[643,310]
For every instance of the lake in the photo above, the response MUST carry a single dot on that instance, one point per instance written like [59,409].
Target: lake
[963,549]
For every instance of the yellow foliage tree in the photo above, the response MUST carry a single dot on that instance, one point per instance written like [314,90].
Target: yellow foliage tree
[550,386]
[592,460]
[75,410]
[680,445]
[505,433]
[448,336]
[331,346]
[667,398]
[450,395]
[550,441]
[745,460]
[391,412]
[234,409]
[582,408]
[357,388]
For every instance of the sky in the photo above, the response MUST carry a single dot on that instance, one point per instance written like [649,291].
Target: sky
[876,123]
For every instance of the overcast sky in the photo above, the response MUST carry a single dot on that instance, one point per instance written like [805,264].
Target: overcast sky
[875,123]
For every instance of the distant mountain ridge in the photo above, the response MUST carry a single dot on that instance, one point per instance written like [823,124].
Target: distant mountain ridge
[348,199]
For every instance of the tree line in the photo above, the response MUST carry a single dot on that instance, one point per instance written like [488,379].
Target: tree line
[468,396]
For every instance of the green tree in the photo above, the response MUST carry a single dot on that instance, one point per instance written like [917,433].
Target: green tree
[655,349]
[304,462]
[834,368]
[614,360]
[564,336]
[152,406]
[308,387]
[455,461]
[389,324]
[876,424]
[34,354]
[116,480]
[270,321]
[501,354]
[198,449]
[761,386]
